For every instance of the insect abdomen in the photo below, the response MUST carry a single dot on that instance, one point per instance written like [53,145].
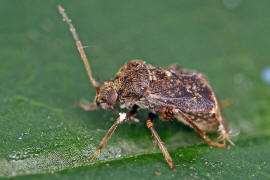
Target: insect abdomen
[205,121]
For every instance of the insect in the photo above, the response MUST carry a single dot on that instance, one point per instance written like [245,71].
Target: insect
[170,93]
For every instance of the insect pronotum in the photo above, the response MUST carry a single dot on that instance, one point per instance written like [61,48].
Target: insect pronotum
[170,93]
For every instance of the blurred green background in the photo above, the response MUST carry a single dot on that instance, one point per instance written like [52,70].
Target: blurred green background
[44,135]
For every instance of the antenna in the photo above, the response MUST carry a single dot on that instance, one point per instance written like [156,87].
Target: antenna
[79,46]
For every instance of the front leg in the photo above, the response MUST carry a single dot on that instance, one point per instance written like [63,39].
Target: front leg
[150,125]
[87,106]
[123,117]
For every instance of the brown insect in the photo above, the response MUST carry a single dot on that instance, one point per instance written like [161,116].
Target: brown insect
[170,93]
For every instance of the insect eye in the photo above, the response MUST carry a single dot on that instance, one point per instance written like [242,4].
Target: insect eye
[112,97]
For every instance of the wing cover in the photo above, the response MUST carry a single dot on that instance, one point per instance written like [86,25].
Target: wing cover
[186,90]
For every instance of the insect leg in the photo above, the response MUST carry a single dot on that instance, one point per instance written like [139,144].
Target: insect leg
[223,128]
[88,106]
[123,118]
[134,111]
[105,139]
[150,125]
[226,102]
[201,133]
[166,113]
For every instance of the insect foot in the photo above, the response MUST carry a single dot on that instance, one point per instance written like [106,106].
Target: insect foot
[225,137]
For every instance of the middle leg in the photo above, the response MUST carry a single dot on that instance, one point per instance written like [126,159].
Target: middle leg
[133,113]
[150,125]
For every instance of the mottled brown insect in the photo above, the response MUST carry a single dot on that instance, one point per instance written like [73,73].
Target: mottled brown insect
[170,93]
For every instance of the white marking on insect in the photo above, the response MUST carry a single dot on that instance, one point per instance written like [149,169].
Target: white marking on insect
[168,73]
[122,117]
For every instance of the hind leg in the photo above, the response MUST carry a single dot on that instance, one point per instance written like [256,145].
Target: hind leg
[201,133]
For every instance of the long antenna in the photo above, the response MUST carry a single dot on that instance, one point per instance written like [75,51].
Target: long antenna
[79,46]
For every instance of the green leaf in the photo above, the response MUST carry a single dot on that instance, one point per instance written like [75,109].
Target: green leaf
[45,135]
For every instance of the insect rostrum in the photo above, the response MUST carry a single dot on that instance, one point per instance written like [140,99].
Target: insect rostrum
[168,92]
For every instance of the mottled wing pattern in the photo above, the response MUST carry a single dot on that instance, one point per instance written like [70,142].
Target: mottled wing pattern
[185,90]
